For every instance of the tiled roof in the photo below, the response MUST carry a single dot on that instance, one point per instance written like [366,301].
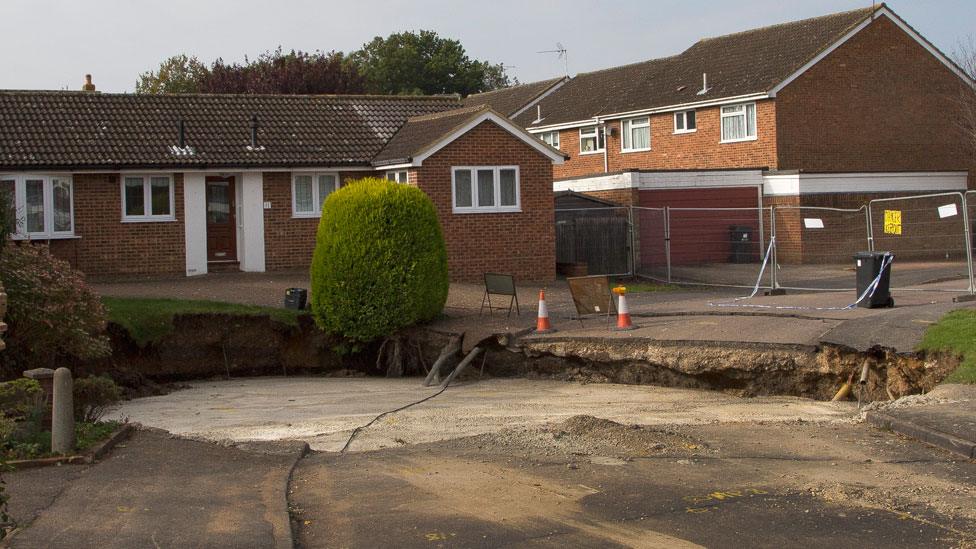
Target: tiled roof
[737,64]
[51,130]
[420,132]
[509,101]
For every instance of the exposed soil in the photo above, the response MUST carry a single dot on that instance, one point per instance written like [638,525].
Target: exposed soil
[745,369]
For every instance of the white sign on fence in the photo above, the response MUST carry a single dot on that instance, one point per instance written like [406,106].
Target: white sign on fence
[813,223]
[948,210]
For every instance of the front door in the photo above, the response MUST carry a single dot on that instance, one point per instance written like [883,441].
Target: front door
[221,228]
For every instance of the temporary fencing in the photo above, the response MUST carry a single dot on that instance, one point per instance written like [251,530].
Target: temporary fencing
[931,237]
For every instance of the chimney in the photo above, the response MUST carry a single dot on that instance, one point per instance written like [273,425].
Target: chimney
[88,87]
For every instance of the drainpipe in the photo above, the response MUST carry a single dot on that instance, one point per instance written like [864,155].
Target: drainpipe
[601,130]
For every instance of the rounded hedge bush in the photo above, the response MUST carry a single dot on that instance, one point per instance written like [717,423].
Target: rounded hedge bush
[380,262]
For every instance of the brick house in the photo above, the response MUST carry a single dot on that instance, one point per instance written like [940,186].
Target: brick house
[830,111]
[136,185]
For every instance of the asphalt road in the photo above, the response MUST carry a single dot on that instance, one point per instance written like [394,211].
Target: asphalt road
[744,485]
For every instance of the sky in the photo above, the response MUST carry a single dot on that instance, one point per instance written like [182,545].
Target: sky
[52,44]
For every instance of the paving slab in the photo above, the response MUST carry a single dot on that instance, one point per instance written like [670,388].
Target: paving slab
[161,491]
[949,424]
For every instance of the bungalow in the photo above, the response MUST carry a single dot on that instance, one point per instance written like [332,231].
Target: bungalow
[123,185]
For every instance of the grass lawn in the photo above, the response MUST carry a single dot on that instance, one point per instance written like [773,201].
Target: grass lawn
[150,319]
[955,332]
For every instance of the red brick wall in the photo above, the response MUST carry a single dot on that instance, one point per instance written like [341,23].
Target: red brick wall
[701,149]
[880,102]
[289,241]
[522,244]
[108,247]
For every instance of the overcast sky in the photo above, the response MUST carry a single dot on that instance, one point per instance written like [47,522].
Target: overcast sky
[51,44]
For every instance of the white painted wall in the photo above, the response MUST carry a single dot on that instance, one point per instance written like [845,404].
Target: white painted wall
[195,212]
[251,222]
[700,179]
[627,180]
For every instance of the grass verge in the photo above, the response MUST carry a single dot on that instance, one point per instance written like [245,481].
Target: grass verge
[955,332]
[148,320]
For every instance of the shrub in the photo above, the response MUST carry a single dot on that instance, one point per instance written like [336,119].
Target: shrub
[93,396]
[51,313]
[20,398]
[380,262]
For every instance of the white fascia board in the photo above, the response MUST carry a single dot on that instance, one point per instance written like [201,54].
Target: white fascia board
[700,179]
[875,182]
[882,12]
[614,182]
[542,96]
[656,110]
[556,157]
[393,167]
[213,170]
[781,185]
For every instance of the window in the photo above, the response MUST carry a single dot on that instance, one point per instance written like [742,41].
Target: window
[42,206]
[635,134]
[684,122]
[550,138]
[592,139]
[147,198]
[309,191]
[485,189]
[739,122]
[398,176]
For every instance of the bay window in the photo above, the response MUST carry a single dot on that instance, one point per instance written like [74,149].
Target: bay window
[592,139]
[738,123]
[635,134]
[485,189]
[147,198]
[309,191]
[42,206]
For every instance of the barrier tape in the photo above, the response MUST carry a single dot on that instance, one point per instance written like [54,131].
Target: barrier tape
[868,292]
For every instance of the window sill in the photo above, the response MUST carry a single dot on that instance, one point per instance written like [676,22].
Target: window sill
[625,151]
[486,210]
[739,140]
[168,219]
[679,132]
[296,215]
[591,152]
[44,237]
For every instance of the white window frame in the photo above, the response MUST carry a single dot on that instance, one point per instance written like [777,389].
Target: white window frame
[599,132]
[550,138]
[316,211]
[629,125]
[683,116]
[745,115]
[398,176]
[147,216]
[20,206]
[497,208]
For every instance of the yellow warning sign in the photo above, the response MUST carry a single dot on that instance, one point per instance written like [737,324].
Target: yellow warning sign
[892,222]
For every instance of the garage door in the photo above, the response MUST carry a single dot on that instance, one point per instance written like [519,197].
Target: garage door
[702,230]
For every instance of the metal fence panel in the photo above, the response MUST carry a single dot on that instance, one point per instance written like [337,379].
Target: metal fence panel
[593,241]
[721,246]
[929,237]
[815,246]
[651,237]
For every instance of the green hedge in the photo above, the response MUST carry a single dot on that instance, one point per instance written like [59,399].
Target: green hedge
[380,262]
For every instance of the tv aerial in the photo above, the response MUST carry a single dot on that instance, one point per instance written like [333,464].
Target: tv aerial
[562,52]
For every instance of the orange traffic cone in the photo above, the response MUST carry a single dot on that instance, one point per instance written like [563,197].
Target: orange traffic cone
[542,325]
[623,312]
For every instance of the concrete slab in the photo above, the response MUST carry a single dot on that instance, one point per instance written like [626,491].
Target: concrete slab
[945,418]
[325,411]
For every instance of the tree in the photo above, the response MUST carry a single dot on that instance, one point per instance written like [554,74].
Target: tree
[424,63]
[273,72]
[178,74]
[276,72]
